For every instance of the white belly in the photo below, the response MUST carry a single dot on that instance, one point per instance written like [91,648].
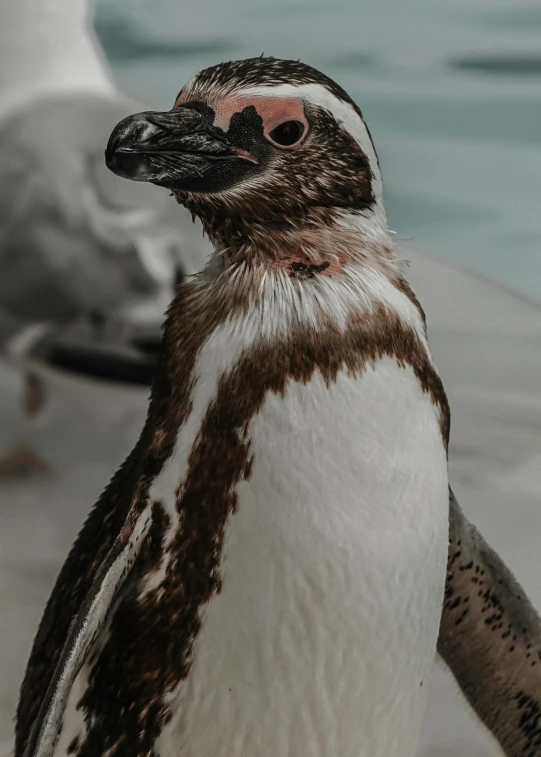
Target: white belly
[333,570]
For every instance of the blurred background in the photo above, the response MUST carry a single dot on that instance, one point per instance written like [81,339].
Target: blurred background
[451,93]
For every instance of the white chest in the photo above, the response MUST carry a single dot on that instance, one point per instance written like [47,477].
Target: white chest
[333,569]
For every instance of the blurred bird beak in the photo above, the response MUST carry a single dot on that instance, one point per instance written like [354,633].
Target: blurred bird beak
[177,149]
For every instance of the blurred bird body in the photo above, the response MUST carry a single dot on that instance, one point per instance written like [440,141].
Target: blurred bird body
[75,240]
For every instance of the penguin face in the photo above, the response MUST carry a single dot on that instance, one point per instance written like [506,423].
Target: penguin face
[262,139]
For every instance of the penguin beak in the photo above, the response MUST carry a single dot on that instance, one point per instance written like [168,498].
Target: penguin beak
[179,149]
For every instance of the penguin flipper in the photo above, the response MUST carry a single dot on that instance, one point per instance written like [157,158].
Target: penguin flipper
[84,590]
[490,638]
[84,632]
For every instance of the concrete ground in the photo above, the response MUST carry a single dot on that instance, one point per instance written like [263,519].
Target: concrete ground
[487,345]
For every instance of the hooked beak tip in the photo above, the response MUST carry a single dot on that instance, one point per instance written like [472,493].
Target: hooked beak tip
[131,131]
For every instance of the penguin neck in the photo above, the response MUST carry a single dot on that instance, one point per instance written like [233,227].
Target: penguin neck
[305,250]
[230,222]
[47,47]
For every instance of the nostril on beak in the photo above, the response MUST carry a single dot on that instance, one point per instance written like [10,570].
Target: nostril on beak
[161,120]
[181,120]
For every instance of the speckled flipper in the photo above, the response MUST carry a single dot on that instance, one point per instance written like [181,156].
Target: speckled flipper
[84,631]
[490,637]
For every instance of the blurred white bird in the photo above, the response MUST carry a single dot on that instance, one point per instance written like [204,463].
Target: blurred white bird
[93,257]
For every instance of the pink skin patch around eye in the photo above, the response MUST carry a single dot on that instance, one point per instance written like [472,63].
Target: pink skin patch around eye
[273,110]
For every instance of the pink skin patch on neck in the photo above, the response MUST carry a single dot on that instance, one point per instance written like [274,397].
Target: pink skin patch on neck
[300,265]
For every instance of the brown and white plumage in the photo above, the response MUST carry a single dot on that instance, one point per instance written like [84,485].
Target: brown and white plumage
[265,573]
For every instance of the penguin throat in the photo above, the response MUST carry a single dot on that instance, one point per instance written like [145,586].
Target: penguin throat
[302,252]
[304,243]
[231,220]
[307,251]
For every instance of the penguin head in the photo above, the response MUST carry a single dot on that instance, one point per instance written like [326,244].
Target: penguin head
[256,143]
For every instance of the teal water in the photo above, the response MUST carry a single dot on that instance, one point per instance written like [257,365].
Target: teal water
[451,90]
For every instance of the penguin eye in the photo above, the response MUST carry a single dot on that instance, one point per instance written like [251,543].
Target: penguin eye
[286,134]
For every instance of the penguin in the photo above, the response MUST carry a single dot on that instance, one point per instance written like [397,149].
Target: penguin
[266,572]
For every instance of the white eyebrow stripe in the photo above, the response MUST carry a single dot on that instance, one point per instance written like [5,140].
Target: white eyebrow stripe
[342,111]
